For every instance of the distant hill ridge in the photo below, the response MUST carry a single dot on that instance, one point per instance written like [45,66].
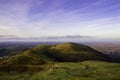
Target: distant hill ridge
[65,52]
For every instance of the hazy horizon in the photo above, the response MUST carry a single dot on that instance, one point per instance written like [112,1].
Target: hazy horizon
[59,20]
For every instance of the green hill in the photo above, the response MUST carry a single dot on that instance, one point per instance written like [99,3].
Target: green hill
[26,61]
[30,57]
[43,54]
[66,52]
[73,52]
[67,61]
[26,58]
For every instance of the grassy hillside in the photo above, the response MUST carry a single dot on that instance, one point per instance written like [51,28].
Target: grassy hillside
[86,70]
[67,61]
[73,52]
[43,54]
[26,61]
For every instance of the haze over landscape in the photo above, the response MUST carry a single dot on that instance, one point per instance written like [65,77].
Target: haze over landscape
[59,20]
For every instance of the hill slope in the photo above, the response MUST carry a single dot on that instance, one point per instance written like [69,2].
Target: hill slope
[66,52]
[25,58]
[57,62]
[70,71]
[73,52]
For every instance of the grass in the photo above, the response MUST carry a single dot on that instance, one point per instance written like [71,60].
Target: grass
[87,70]
[59,62]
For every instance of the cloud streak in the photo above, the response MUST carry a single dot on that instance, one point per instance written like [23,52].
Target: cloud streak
[37,18]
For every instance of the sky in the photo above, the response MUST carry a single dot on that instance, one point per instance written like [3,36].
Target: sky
[59,19]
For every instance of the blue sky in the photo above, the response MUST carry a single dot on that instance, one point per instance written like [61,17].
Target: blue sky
[44,18]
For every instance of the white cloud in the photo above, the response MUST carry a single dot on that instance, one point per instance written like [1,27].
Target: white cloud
[16,20]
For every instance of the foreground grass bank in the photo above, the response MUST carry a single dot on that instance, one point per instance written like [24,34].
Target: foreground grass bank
[87,70]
